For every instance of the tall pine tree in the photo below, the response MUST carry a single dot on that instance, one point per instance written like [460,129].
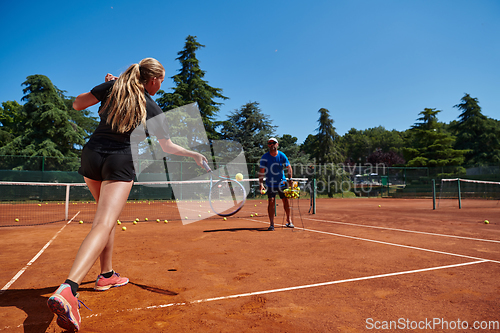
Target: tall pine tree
[251,128]
[48,129]
[328,151]
[431,146]
[476,133]
[190,87]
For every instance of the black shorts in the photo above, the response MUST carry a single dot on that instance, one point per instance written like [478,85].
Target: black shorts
[272,191]
[103,166]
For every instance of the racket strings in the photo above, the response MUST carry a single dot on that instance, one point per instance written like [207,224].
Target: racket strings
[227,196]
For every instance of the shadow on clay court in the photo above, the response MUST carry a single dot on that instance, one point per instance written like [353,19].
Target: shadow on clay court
[237,229]
[154,289]
[33,302]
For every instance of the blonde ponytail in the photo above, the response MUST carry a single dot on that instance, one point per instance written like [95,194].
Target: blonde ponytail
[126,105]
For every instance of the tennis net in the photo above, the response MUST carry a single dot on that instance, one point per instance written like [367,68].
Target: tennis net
[457,189]
[33,203]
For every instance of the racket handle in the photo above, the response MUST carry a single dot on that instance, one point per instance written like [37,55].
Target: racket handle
[206,167]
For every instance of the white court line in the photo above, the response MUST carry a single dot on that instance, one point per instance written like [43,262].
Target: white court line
[7,286]
[392,244]
[314,285]
[405,230]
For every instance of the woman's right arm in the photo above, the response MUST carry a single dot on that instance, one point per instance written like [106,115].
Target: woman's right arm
[84,101]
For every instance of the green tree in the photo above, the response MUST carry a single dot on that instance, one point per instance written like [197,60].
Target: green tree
[48,129]
[190,87]
[476,133]
[82,118]
[10,121]
[251,128]
[310,147]
[288,145]
[429,145]
[328,139]
[360,145]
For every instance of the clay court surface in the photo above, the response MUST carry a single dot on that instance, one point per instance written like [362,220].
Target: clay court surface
[351,267]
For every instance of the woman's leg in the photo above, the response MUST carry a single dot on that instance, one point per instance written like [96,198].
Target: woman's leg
[111,197]
[106,257]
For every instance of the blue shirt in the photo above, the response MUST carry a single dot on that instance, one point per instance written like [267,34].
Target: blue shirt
[274,165]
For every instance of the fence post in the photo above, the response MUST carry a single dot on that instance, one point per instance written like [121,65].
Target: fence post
[66,206]
[459,195]
[433,194]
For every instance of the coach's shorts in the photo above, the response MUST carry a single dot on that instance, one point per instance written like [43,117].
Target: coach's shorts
[103,166]
[272,191]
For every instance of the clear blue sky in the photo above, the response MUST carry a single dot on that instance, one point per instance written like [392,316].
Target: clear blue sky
[369,62]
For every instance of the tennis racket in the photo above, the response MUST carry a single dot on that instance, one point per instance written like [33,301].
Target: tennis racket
[227,196]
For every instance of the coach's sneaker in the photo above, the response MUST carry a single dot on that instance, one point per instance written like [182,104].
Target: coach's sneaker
[102,283]
[65,306]
[290,225]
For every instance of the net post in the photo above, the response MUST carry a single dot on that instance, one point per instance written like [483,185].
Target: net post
[459,195]
[66,204]
[433,194]
[314,196]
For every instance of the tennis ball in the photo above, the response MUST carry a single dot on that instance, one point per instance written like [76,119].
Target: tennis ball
[137,219]
[486,222]
[81,222]
[263,192]
[199,215]
[186,217]
[39,204]
[251,215]
[379,206]
[256,214]
[239,177]
[166,221]
[225,219]
[17,220]
[146,219]
[135,222]
[124,228]
[157,220]
[118,222]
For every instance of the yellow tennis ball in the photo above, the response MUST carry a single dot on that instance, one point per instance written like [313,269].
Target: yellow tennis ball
[157,220]
[135,222]
[186,217]
[256,214]
[225,219]
[166,221]
[263,192]
[251,215]
[118,222]
[199,215]
[486,222]
[146,219]
[39,204]
[81,222]
[239,176]
[17,220]
[124,228]
[137,219]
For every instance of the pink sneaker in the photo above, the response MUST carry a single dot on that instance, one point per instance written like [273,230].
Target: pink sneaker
[102,284]
[65,306]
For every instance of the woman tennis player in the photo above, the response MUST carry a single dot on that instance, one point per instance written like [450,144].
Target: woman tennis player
[108,170]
